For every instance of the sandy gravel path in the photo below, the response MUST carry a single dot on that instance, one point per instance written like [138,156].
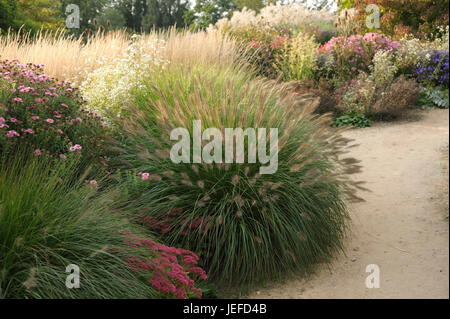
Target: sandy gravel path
[403,225]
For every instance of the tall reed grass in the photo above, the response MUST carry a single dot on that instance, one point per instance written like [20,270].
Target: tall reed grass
[70,58]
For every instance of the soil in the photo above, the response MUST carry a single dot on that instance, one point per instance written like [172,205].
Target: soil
[403,224]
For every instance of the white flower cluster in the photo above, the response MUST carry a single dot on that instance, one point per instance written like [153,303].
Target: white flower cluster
[288,15]
[414,51]
[384,68]
[107,87]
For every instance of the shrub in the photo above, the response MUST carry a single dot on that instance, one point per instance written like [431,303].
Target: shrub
[402,17]
[322,90]
[355,53]
[435,70]
[246,226]
[414,52]
[259,45]
[296,59]
[352,119]
[433,97]
[109,87]
[46,116]
[383,68]
[391,99]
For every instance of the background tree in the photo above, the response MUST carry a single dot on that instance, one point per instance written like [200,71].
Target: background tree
[111,18]
[134,12]
[89,9]
[7,12]
[206,12]
[165,13]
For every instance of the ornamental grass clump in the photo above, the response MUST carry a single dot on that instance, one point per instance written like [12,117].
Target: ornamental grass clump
[245,226]
[50,220]
[47,223]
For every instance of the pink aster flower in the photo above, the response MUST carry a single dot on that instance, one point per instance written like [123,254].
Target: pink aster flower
[37,152]
[12,133]
[145,176]
[13,120]
[93,182]
[59,131]
[49,121]
[35,117]
[62,156]
[3,125]
[29,131]
[75,147]
[2,119]
[17,99]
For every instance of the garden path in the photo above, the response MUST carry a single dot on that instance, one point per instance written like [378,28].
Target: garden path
[402,226]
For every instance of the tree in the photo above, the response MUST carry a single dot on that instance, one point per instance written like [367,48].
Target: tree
[111,19]
[89,9]
[255,5]
[165,13]
[133,11]
[38,14]
[7,11]
[206,12]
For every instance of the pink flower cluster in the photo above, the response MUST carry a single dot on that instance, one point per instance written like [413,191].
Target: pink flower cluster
[355,53]
[170,267]
[46,114]
[359,42]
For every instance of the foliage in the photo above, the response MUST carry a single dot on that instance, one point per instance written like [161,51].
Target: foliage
[407,17]
[352,119]
[106,88]
[296,58]
[246,226]
[208,12]
[434,96]
[164,13]
[48,223]
[7,9]
[259,45]
[355,53]
[111,19]
[89,9]
[435,70]
[323,91]
[44,115]
[49,220]
[390,99]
